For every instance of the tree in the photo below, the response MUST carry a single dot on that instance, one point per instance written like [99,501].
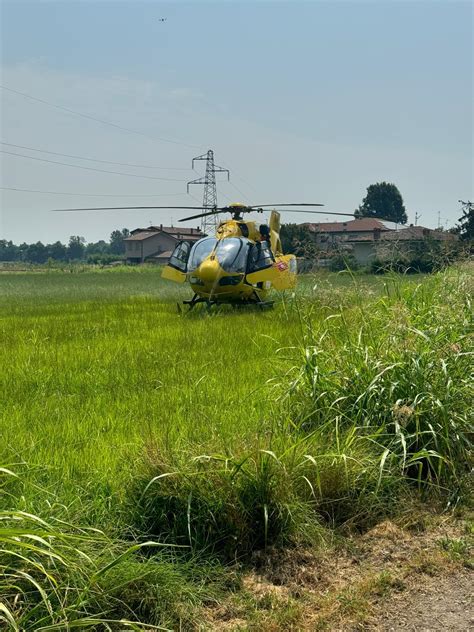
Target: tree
[57,251]
[298,240]
[76,248]
[383,200]
[117,247]
[100,247]
[8,251]
[465,229]
[36,253]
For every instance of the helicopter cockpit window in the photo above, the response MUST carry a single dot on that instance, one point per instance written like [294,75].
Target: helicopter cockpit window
[232,254]
[180,256]
[200,251]
[260,257]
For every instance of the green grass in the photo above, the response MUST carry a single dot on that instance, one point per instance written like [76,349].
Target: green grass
[223,432]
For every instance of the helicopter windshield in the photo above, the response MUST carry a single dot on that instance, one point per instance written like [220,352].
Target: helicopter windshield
[200,251]
[231,253]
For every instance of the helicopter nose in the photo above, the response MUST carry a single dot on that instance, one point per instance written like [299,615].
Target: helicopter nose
[209,271]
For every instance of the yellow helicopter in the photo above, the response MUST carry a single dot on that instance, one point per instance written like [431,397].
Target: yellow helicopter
[240,264]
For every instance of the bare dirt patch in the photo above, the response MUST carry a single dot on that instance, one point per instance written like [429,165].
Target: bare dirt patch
[390,578]
[436,603]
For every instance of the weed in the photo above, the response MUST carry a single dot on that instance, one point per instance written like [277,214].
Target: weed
[459,549]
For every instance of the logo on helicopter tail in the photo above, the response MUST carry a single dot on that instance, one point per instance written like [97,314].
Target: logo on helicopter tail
[281,266]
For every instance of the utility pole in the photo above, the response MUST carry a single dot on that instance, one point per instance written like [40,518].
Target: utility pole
[417,217]
[209,223]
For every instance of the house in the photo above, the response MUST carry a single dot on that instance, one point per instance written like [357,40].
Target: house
[368,238]
[156,243]
[330,233]
[161,258]
[355,237]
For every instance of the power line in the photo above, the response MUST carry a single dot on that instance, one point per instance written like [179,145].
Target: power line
[106,162]
[194,197]
[239,177]
[230,200]
[66,164]
[118,195]
[97,120]
[238,190]
[114,125]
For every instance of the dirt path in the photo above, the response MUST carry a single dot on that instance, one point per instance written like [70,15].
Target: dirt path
[439,603]
[390,579]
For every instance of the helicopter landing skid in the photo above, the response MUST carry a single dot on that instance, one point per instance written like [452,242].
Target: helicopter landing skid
[260,304]
[194,301]
[197,299]
[257,302]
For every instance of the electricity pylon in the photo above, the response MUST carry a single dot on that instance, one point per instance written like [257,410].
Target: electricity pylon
[209,223]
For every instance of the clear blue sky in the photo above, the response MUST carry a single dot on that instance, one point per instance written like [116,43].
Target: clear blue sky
[303,101]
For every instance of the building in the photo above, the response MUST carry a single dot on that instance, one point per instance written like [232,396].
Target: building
[333,232]
[156,243]
[367,238]
[354,237]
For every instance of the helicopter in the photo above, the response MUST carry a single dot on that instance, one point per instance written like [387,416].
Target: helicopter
[237,266]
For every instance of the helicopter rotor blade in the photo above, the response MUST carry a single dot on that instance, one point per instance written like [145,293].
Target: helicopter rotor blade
[124,208]
[273,205]
[250,209]
[214,212]
[290,210]
[223,209]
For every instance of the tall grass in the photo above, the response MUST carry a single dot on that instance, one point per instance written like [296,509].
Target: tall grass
[399,369]
[379,397]
[123,422]
[57,576]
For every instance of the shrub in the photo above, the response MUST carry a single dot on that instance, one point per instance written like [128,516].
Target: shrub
[103,258]
[424,256]
[341,261]
[224,505]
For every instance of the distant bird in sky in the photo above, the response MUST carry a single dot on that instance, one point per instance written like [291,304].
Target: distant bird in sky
[162,19]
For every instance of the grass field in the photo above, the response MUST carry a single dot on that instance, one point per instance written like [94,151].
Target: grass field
[212,435]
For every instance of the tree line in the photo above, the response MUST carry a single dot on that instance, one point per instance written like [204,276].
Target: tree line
[75,250]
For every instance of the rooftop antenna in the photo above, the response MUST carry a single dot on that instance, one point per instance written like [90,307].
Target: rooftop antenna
[209,223]
[417,217]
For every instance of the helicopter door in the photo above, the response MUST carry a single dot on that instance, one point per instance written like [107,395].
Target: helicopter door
[177,266]
[261,264]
